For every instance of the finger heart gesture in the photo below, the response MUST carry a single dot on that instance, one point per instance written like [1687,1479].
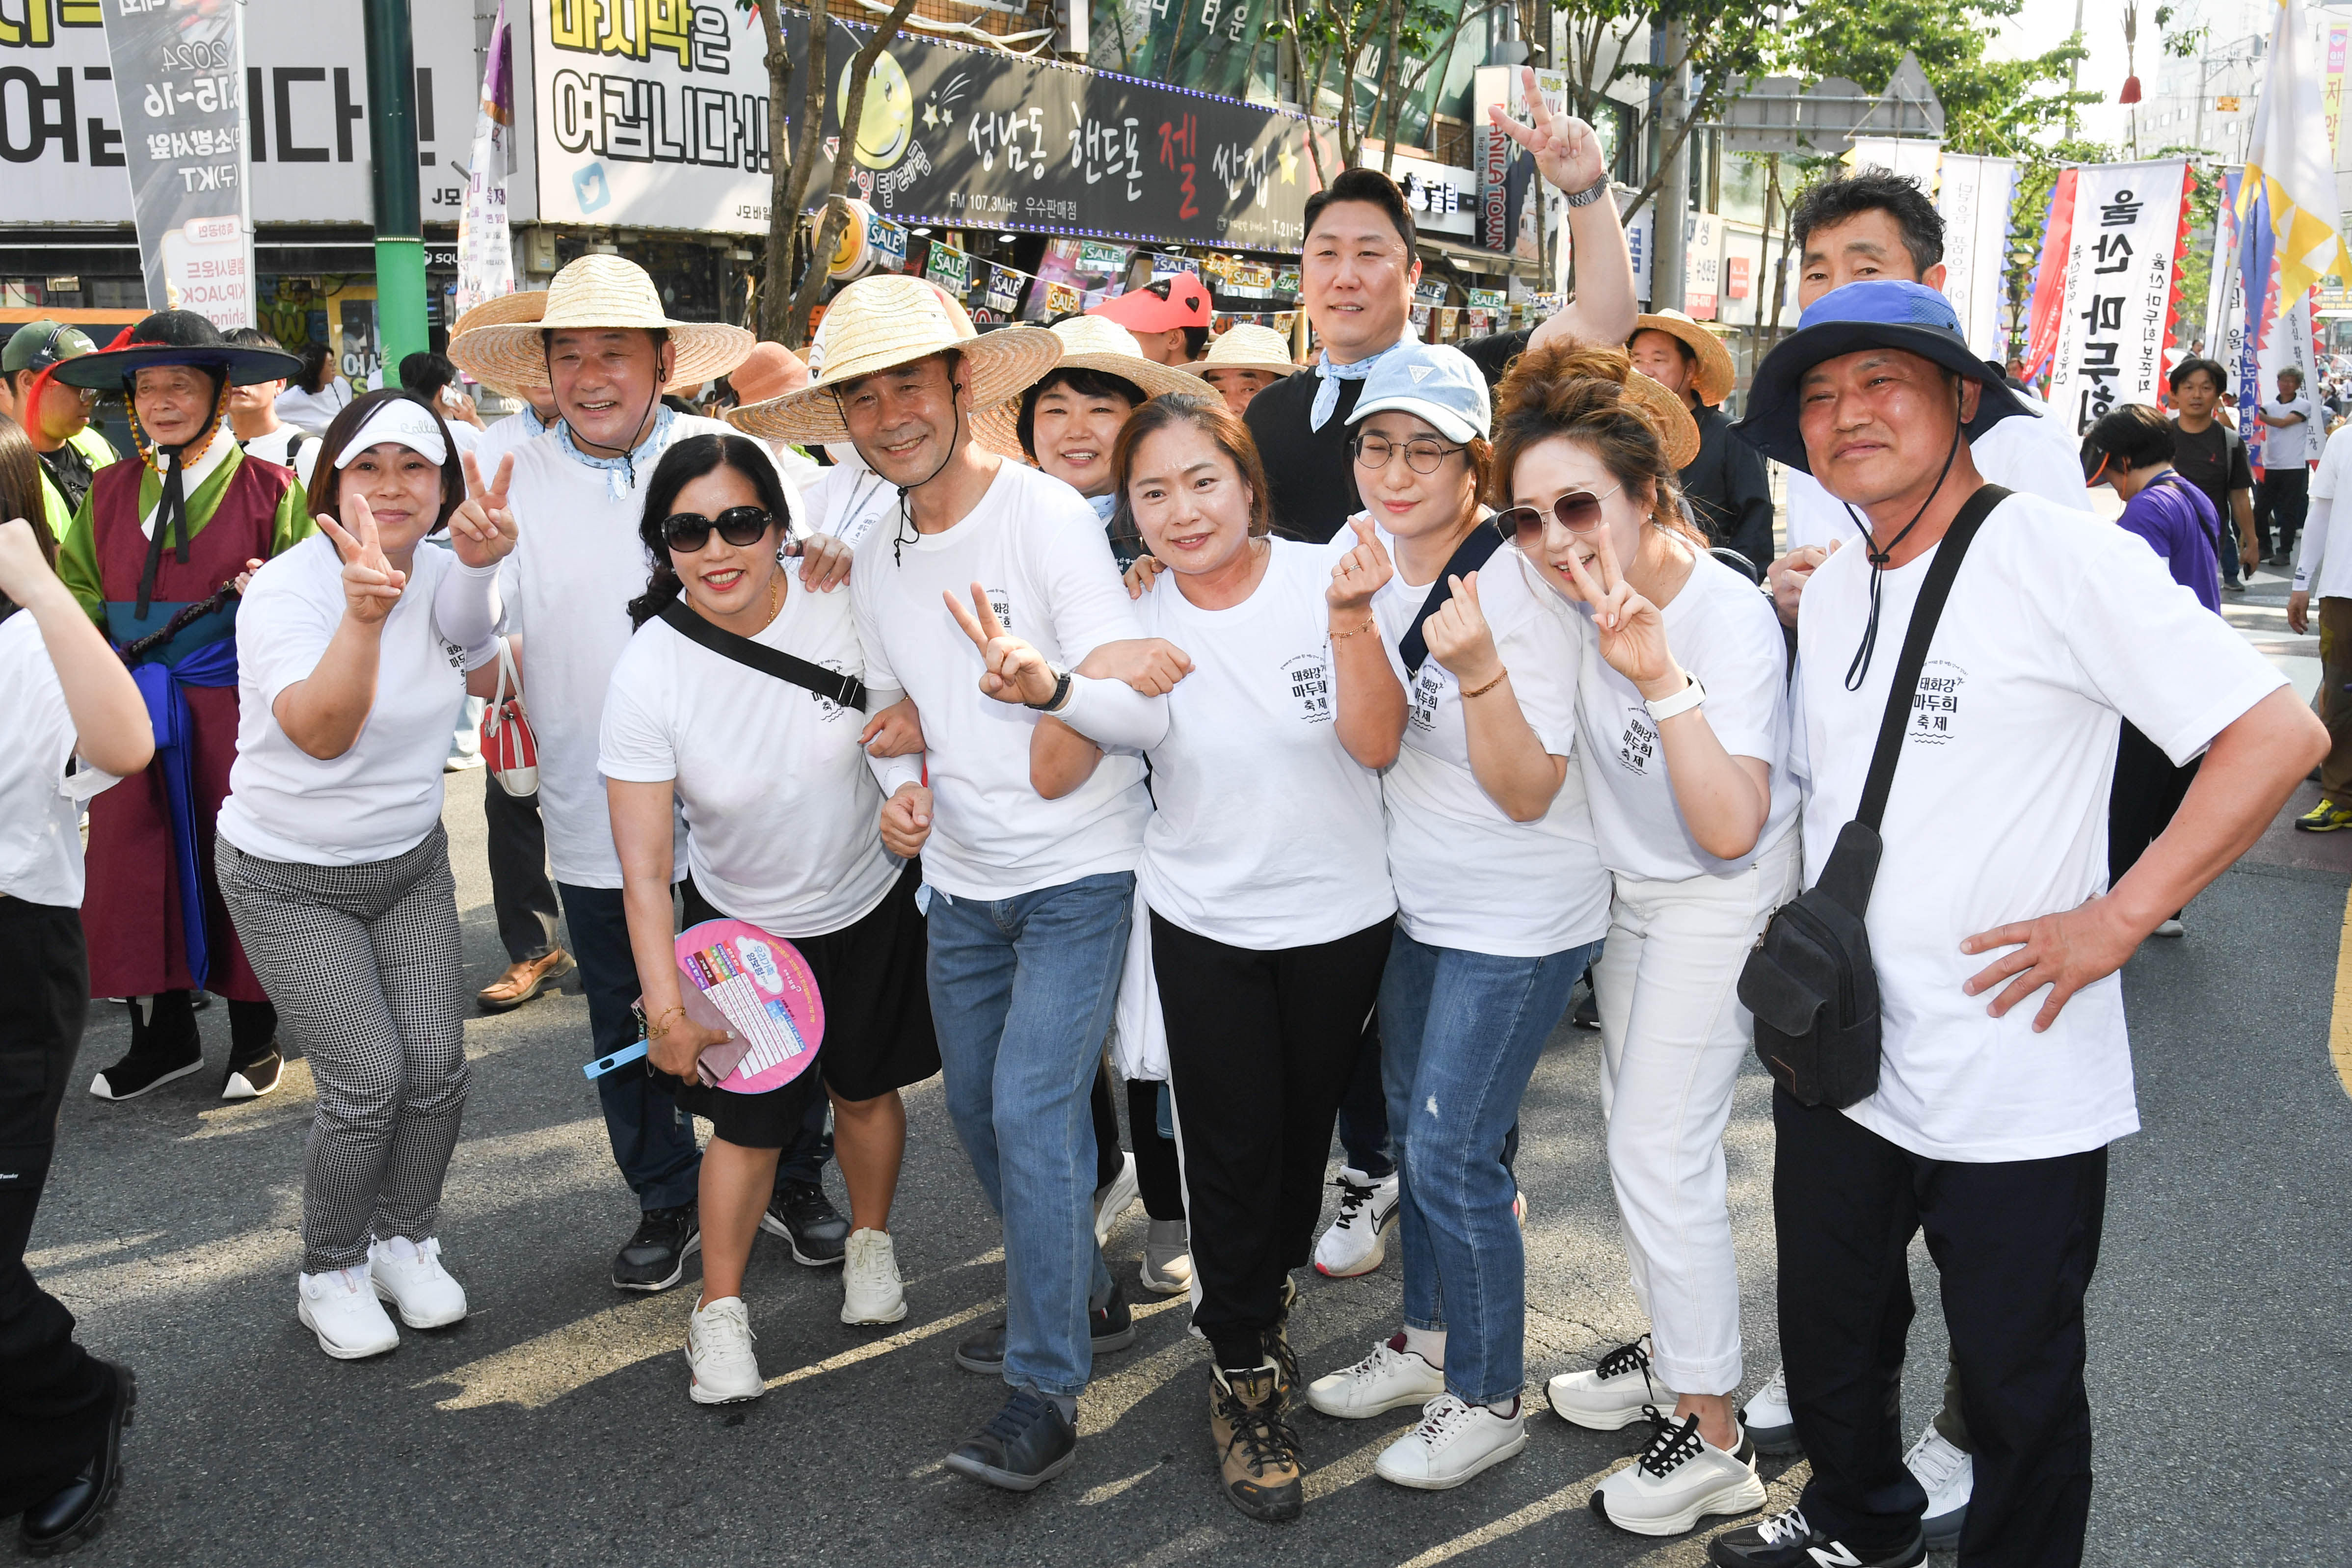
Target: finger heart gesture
[371,584]
[1459,638]
[482,529]
[1011,670]
[1363,572]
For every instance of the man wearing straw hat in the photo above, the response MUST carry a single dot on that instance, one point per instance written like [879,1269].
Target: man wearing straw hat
[602,343]
[1029,897]
[1726,483]
[1242,363]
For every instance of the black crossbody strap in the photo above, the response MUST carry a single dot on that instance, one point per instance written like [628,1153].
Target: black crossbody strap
[846,690]
[1924,616]
[1468,557]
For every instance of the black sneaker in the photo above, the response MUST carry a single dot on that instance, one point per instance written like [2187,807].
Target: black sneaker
[1023,1446]
[164,1045]
[1786,1541]
[654,1258]
[1112,1326]
[804,1216]
[76,1510]
[1586,1013]
[251,1079]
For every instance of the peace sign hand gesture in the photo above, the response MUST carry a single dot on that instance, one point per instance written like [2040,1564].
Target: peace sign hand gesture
[1633,633]
[483,528]
[1363,572]
[1459,638]
[1013,670]
[1566,154]
[372,585]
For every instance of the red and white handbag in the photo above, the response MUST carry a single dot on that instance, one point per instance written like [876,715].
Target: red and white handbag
[509,750]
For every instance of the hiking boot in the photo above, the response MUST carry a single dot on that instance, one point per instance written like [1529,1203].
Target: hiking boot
[1258,1453]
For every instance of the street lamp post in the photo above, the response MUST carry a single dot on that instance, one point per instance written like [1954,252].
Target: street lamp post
[399,223]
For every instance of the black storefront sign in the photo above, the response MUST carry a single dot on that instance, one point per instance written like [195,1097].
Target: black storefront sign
[969,137]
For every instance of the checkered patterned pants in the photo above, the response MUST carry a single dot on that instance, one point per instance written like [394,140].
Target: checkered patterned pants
[365,965]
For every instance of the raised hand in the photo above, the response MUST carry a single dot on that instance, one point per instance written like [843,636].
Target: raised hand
[372,585]
[1012,670]
[482,529]
[1633,633]
[1566,152]
[1152,665]
[1459,638]
[907,821]
[1362,572]
[24,574]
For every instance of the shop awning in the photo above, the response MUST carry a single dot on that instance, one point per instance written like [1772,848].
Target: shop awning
[1471,258]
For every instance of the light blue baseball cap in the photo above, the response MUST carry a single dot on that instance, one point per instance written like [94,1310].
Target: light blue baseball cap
[1439,382]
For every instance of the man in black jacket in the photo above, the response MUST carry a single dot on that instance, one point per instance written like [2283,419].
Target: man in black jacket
[1724,484]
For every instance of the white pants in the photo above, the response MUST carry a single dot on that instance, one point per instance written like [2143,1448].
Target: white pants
[1673,1035]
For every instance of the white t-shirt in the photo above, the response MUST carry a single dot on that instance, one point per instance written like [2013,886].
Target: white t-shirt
[2315,571]
[380,798]
[1033,542]
[2292,445]
[782,804]
[1722,631]
[273,447]
[315,411]
[848,499]
[1466,875]
[504,436]
[2030,454]
[2056,622]
[1264,833]
[576,564]
[40,831]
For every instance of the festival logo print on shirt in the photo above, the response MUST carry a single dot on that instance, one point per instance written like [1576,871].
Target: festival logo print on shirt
[1309,678]
[1639,744]
[827,709]
[1423,696]
[1935,706]
[451,652]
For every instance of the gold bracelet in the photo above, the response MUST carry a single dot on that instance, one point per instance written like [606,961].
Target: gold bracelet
[1369,623]
[1489,686]
[658,1026]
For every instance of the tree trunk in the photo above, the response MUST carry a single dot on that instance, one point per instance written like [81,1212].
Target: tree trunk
[1387,99]
[787,168]
[837,210]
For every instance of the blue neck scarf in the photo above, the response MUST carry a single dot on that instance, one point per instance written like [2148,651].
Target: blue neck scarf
[1328,376]
[621,472]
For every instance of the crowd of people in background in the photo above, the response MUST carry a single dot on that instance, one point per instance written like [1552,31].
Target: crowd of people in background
[1103,713]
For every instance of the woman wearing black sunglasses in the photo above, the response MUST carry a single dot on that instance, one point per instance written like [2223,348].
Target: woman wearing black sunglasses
[1683,739]
[782,831]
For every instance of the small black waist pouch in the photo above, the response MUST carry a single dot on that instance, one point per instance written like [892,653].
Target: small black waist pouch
[1810,983]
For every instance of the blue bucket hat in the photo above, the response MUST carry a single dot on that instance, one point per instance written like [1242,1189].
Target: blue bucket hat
[1434,380]
[1876,315]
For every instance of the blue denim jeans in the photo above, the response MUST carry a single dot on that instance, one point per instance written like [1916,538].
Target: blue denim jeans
[1022,993]
[1460,1035]
[652,1142]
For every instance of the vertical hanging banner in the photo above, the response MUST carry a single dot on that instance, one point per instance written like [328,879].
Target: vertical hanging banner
[1974,199]
[179,76]
[2118,297]
[2049,292]
[1703,265]
[2225,291]
[485,242]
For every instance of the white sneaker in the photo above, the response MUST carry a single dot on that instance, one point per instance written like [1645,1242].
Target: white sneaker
[718,1350]
[411,1277]
[2171,927]
[1947,1476]
[1614,1393]
[1678,1477]
[1519,1209]
[1359,1237]
[1388,1379]
[1767,1418]
[870,1289]
[1116,1198]
[1454,1442]
[1167,1257]
[343,1312]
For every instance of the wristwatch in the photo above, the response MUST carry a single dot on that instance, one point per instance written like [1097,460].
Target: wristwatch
[1682,702]
[1591,194]
[1061,694]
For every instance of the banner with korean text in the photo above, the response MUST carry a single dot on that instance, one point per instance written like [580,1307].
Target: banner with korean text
[179,73]
[1974,195]
[2115,318]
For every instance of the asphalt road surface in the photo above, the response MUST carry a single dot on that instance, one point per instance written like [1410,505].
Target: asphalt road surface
[554,1424]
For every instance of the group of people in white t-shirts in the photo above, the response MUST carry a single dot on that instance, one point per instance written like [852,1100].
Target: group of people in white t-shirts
[1513,724]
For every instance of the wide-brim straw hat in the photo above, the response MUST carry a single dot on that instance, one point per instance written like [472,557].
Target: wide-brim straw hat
[768,373]
[595,291]
[881,323]
[1246,346]
[1677,430]
[1715,374]
[1088,343]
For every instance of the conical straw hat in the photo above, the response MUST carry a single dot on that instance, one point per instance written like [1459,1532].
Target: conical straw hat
[881,323]
[1088,343]
[595,291]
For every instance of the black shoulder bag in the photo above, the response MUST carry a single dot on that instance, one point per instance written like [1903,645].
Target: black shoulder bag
[1470,556]
[1809,982]
[846,690]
